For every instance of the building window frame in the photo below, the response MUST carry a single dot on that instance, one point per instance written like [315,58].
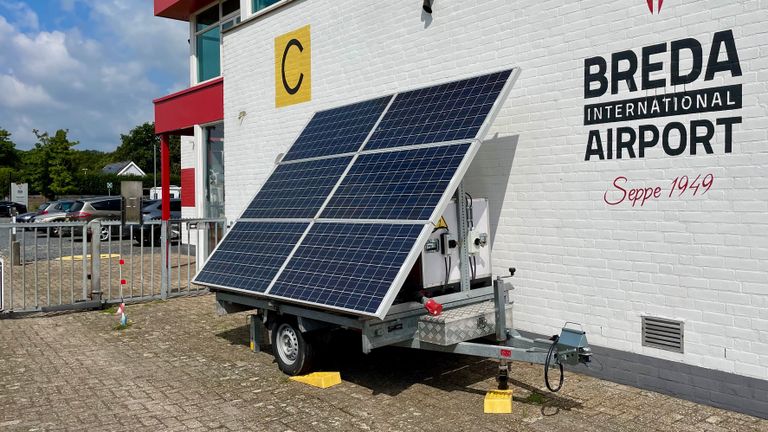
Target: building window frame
[224,22]
[255,11]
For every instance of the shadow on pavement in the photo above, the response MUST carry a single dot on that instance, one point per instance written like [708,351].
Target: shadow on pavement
[392,370]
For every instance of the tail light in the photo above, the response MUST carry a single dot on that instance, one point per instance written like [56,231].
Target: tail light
[79,215]
[44,212]
[434,308]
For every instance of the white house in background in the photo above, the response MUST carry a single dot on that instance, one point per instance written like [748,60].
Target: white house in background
[123,168]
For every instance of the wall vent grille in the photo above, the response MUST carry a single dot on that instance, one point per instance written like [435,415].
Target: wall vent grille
[663,334]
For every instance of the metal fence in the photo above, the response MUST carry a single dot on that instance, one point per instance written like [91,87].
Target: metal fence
[73,265]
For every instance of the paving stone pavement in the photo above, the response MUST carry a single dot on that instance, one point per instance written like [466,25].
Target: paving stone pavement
[181,367]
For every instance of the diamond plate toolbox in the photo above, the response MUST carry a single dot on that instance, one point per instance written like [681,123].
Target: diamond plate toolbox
[461,324]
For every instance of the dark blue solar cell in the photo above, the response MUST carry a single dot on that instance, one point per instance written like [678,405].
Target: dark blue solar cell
[404,185]
[447,112]
[297,190]
[339,130]
[250,255]
[345,265]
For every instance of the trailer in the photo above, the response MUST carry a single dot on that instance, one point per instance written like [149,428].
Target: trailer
[464,315]
[365,224]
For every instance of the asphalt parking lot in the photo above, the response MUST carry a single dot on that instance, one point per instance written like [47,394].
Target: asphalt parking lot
[181,367]
[50,247]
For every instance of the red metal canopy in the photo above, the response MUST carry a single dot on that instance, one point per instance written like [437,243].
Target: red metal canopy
[178,9]
[180,111]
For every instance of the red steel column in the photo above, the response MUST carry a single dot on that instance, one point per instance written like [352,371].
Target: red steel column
[165,170]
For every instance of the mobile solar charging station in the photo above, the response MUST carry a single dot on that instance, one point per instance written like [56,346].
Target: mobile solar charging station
[364,224]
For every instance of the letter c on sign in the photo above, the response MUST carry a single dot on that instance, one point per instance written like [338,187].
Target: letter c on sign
[288,88]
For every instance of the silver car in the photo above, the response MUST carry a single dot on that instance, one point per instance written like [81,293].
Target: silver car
[55,211]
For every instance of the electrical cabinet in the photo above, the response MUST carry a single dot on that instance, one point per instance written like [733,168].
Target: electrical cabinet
[437,271]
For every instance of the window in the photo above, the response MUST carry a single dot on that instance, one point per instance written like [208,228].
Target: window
[262,4]
[208,26]
[113,204]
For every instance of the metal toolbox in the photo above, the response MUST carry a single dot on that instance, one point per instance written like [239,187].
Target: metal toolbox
[461,324]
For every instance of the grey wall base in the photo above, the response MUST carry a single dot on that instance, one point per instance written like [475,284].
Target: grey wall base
[711,387]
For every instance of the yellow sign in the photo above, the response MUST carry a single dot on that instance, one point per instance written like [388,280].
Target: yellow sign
[441,223]
[293,68]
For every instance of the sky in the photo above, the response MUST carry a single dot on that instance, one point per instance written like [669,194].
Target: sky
[90,66]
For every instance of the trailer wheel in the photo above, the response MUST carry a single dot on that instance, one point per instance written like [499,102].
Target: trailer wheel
[291,348]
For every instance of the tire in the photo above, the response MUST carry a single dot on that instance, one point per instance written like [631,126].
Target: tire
[106,233]
[292,349]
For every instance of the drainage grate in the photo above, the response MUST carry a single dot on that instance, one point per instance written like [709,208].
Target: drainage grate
[663,334]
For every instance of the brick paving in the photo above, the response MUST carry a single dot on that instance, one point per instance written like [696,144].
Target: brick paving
[181,367]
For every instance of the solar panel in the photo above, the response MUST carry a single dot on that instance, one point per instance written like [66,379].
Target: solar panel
[347,265]
[447,112]
[337,131]
[353,256]
[404,185]
[297,190]
[249,257]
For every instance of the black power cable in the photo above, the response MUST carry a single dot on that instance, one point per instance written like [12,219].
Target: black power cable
[550,355]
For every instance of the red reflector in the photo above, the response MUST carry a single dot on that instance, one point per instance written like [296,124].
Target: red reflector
[434,308]
[122,261]
[122,281]
[506,353]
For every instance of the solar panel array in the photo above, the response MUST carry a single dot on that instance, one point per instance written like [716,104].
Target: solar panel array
[297,190]
[251,255]
[447,112]
[337,131]
[347,265]
[341,220]
[405,185]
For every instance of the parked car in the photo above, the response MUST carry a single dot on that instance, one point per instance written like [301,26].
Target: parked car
[98,208]
[9,208]
[54,211]
[27,217]
[152,211]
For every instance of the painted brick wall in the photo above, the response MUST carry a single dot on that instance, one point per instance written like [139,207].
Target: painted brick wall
[699,259]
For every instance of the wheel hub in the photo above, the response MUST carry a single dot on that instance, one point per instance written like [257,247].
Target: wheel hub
[287,344]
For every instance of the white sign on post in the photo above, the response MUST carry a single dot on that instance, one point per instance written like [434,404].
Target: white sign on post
[19,193]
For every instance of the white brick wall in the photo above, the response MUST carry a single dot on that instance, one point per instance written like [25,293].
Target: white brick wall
[700,259]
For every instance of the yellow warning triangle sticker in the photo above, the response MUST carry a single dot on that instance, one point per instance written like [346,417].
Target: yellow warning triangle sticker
[441,223]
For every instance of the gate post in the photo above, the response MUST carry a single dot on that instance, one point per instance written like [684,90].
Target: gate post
[165,271]
[95,270]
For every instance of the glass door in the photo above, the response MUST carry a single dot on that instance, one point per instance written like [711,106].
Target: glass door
[214,173]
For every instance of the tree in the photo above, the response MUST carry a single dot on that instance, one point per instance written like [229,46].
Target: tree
[139,146]
[9,156]
[10,161]
[90,161]
[50,164]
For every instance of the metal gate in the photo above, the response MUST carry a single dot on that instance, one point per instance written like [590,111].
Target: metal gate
[73,265]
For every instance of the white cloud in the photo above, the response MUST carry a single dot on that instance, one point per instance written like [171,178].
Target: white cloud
[16,94]
[22,14]
[97,86]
